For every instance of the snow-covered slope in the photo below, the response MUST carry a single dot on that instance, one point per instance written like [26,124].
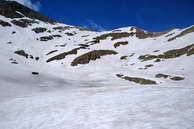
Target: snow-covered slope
[58,76]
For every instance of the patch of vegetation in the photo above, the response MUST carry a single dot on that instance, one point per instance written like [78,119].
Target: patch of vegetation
[148,66]
[39,30]
[22,53]
[63,55]
[64,45]
[156,51]
[26,55]
[185,32]
[132,55]
[85,36]
[123,57]
[63,28]
[113,35]
[57,35]
[82,28]
[4,24]
[141,81]
[51,52]
[93,55]
[162,76]
[176,78]
[188,50]
[157,60]
[120,43]
[84,45]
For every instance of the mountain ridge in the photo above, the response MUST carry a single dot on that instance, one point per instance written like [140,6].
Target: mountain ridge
[80,45]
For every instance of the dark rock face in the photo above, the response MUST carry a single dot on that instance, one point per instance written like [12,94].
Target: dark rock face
[57,36]
[4,24]
[69,34]
[19,23]
[23,22]
[10,9]
[141,34]
[93,55]
[63,28]
[50,37]
[39,30]
[46,38]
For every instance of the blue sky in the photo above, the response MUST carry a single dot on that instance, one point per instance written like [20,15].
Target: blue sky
[152,15]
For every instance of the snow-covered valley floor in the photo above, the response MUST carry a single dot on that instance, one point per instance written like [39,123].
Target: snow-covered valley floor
[101,108]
